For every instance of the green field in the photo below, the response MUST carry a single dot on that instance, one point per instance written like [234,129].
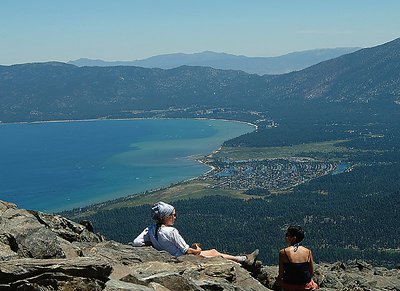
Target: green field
[193,189]
[246,153]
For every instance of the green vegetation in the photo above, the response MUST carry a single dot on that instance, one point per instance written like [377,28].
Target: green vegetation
[344,109]
[351,215]
[182,191]
[284,152]
[345,216]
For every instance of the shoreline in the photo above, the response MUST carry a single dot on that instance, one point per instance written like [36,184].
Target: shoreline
[128,195]
[125,119]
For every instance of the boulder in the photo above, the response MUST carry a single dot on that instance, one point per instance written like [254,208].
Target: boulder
[39,251]
[59,274]
[117,285]
[356,275]
[351,275]
[32,234]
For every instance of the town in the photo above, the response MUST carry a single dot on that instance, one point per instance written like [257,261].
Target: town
[269,175]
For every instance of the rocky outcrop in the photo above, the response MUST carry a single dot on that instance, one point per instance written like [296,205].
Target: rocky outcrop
[357,275]
[49,252]
[349,276]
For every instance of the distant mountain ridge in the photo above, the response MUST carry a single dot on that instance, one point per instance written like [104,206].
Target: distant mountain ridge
[252,65]
[47,91]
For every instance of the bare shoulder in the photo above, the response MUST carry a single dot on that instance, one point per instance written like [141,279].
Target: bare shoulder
[305,252]
[283,254]
[282,251]
[304,249]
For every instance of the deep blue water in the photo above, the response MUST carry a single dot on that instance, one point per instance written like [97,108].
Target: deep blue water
[62,165]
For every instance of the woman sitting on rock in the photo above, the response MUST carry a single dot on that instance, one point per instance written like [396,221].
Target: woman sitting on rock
[163,236]
[296,266]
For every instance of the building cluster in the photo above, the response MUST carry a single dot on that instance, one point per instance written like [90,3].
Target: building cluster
[272,175]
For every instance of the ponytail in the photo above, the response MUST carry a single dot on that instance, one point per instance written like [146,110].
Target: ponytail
[158,225]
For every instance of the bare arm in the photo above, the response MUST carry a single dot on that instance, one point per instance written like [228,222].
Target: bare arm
[281,262]
[311,264]
[195,250]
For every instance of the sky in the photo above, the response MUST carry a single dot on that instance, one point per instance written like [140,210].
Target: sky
[126,30]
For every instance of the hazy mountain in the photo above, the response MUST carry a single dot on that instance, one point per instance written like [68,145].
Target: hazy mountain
[367,75]
[44,91]
[252,65]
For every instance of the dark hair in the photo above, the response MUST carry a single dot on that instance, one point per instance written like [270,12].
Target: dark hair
[297,231]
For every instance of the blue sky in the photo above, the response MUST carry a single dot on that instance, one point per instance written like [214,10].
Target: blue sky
[63,30]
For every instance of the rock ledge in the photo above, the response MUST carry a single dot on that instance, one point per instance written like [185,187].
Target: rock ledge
[49,252]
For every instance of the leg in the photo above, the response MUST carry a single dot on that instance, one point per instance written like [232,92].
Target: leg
[215,253]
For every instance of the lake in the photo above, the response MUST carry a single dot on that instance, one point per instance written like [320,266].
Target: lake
[55,166]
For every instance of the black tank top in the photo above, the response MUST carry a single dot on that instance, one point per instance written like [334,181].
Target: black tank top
[296,273]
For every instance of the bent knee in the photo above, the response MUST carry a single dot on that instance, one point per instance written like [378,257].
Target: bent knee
[210,253]
[215,252]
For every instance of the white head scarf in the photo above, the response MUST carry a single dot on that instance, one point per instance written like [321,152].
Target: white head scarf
[160,210]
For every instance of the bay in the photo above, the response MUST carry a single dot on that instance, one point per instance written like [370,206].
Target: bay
[55,166]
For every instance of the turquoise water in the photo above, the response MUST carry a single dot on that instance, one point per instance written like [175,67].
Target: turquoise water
[61,165]
[341,168]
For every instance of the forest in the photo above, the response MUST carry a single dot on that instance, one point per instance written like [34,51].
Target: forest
[352,215]
[345,216]
[352,101]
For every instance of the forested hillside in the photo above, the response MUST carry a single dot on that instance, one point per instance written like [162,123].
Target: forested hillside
[364,80]
[350,215]
[347,216]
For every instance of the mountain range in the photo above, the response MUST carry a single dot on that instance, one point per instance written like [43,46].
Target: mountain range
[253,65]
[47,91]
[357,209]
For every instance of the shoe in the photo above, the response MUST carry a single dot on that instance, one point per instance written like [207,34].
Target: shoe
[256,268]
[251,258]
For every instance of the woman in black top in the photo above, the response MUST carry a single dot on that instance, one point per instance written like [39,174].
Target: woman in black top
[296,266]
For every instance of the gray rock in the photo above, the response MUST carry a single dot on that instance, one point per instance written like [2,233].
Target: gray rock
[118,253]
[58,274]
[67,229]
[4,206]
[194,273]
[8,249]
[171,281]
[49,252]
[352,275]
[32,234]
[52,281]
[117,285]
[40,243]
